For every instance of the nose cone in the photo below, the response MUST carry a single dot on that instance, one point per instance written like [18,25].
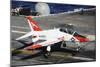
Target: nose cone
[82,39]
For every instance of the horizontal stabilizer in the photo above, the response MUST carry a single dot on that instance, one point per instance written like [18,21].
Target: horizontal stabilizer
[24,36]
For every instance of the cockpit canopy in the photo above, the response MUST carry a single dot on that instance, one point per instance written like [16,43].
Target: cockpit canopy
[71,32]
[65,30]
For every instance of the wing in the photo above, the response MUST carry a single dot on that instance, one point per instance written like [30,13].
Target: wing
[45,43]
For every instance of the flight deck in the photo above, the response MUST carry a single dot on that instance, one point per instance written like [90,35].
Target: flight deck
[84,24]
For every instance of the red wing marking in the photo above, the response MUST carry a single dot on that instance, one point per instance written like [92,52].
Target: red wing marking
[33,47]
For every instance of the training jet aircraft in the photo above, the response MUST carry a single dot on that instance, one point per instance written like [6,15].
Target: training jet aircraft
[47,38]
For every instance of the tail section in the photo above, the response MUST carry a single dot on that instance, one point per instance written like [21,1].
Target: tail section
[33,24]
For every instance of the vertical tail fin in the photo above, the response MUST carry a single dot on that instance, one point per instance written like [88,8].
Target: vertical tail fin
[33,24]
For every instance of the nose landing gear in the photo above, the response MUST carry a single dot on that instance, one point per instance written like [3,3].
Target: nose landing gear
[48,52]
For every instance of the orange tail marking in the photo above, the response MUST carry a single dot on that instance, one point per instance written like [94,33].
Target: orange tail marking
[34,24]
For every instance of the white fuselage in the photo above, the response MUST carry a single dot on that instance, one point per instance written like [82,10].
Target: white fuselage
[52,36]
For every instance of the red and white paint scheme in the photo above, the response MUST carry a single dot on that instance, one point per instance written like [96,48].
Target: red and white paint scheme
[49,37]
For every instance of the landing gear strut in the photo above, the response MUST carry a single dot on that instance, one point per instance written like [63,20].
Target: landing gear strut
[48,52]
